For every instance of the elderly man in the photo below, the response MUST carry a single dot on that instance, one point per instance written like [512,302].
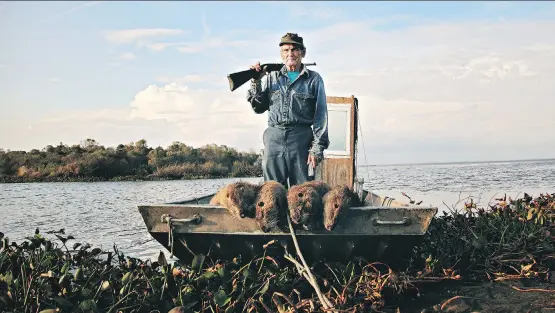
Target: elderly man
[295,99]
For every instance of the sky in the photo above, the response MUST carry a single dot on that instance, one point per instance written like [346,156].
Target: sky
[436,81]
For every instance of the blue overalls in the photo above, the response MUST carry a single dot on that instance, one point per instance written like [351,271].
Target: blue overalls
[297,123]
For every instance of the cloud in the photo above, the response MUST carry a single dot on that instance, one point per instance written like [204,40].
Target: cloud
[159,46]
[109,126]
[149,38]
[55,80]
[127,56]
[120,59]
[205,26]
[433,91]
[70,11]
[79,116]
[203,116]
[129,36]
[106,132]
[541,48]
[193,78]
[210,43]
[159,113]
[481,83]
[478,84]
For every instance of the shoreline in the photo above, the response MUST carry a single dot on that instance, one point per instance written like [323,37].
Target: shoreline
[91,162]
[18,180]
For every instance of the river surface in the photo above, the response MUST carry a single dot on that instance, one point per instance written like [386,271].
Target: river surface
[104,213]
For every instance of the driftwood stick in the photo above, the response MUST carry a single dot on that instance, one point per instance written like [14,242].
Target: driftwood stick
[533,289]
[303,272]
[325,302]
[451,300]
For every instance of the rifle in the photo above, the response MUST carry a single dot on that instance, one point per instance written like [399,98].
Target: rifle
[237,79]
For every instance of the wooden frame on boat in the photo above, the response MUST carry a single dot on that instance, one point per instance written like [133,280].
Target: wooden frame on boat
[338,166]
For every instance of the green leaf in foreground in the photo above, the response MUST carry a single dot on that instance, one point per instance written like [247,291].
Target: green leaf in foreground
[88,305]
[63,302]
[198,260]
[221,298]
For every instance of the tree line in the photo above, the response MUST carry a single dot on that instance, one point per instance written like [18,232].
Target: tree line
[90,161]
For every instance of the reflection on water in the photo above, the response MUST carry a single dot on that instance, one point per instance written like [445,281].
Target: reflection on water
[105,213]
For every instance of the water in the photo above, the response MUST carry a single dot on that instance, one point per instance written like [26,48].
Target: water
[100,213]
[447,186]
[105,213]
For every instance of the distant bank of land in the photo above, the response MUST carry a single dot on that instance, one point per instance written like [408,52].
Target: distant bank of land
[90,161]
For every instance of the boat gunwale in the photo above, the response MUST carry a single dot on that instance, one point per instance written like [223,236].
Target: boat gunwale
[195,201]
[178,206]
[360,208]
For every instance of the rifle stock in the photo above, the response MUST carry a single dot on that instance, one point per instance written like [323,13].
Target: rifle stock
[237,79]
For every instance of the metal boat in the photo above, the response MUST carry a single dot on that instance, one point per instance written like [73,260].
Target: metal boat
[380,229]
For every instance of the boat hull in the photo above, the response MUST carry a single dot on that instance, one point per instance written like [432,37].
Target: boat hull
[392,250]
[372,232]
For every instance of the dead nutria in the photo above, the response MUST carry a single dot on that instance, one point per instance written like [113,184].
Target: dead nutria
[336,201]
[321,187]
[238,197]
[220,198]
[305,206]
[271,205]
[242,198]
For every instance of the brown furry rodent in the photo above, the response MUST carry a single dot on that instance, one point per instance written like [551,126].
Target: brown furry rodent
[336,201]
[220,198]
[238,197]
[305,206]
[271,205]
[242,198]
[321,187]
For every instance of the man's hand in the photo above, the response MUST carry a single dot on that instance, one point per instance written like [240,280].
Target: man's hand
[258,68]
[311,161]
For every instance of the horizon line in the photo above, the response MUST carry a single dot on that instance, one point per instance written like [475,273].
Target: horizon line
[459,162]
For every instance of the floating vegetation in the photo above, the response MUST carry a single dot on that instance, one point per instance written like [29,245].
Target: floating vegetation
[513,236]
[510,240]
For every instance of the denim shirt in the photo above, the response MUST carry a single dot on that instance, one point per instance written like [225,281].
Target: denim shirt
[289,104]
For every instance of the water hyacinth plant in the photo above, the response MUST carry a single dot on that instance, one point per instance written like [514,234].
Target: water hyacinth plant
[510,240]
[506,237]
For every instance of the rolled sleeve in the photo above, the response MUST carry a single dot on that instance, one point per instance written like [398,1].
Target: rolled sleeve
[257,95]
[320,124]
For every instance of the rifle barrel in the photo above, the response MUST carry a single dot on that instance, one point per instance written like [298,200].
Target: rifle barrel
[237,79]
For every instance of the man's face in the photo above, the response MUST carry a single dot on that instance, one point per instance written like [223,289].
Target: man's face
[291,55]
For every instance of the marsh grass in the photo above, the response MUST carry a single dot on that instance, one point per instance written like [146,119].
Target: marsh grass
[510,240]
